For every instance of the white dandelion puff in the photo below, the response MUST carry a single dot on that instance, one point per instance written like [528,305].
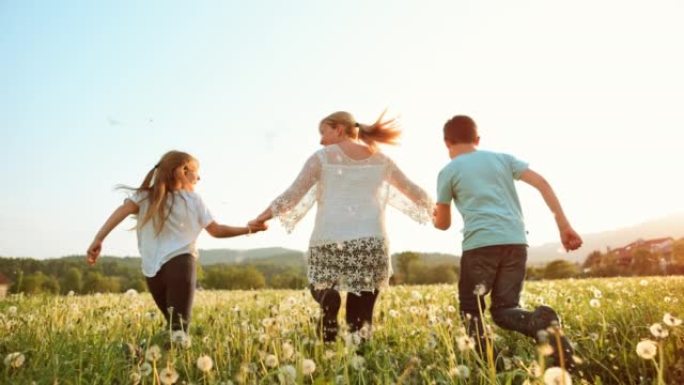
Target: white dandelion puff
[308,366]
[287,375]
[153,353]
[146,369]
[461,371]
[671,320]
[595,303]
[557,376]
[480,289]
[205,363]
[647,349]
[658,330]
[465,343]
[15,360]
[168,376]
[357,362]
[271,361]
[393,313]
[134,378]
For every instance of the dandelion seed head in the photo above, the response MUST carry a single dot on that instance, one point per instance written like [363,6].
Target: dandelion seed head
[145,369]
[557,376]
[205,363]
[658,330]
[480,289]
[671,320]
[153,353]
[15,360]
[647,349]
[271,361]
[308,367]
[168,375]
[595,303]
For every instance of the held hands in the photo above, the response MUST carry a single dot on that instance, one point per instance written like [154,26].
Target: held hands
[570,239]
[255,226]
[94,251]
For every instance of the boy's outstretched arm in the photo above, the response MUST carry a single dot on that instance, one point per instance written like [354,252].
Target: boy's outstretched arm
[441,216]
[570,239]
[126,209]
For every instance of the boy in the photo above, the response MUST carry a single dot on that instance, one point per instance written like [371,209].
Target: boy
[481,183]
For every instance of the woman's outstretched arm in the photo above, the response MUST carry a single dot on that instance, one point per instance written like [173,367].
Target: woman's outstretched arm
[126,209]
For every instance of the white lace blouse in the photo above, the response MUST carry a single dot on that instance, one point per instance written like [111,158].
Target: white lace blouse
[351,196]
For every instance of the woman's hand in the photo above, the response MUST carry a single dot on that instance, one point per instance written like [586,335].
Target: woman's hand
[94,251]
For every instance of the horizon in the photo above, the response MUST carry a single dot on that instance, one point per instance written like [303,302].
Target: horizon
[92,96]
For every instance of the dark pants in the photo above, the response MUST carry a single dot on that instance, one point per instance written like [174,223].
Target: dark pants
[499,270]
[174,287]
[359,310]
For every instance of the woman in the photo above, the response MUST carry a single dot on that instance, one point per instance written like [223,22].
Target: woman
[351,181]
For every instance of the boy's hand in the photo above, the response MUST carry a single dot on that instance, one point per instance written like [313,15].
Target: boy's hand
[94,251]
[570,239]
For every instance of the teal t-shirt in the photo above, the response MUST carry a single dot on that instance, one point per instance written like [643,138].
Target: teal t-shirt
[482,186]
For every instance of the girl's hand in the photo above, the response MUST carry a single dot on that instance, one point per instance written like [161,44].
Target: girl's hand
[256,226]
[94,251]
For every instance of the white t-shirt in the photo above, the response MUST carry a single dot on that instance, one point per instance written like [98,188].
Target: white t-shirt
[185,221]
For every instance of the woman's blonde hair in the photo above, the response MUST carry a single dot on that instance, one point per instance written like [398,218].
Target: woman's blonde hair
[158,183]
[386,131]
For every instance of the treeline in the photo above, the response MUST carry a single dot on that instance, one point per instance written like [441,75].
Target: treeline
[116,275]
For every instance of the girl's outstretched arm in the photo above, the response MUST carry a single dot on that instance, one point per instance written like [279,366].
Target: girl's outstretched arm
[222,231]
[126,209]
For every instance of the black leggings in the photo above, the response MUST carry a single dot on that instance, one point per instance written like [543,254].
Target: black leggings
[359,310]
[173,290]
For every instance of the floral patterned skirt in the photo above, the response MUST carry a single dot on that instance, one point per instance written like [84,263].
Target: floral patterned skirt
[355,265]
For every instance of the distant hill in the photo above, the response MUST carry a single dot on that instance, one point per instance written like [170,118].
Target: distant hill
[275,255]
[669,226]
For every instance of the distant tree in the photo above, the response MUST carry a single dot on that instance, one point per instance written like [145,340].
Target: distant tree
[405,261]
[72,281]
[95,282]
[559,269]
[678,252]
[594,260]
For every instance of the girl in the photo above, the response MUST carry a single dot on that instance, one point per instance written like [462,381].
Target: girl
[170,218]
[351,182]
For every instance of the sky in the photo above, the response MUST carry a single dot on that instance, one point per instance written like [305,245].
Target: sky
[93,93]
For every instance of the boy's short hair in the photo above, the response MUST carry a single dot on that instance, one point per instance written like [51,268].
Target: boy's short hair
[460,129]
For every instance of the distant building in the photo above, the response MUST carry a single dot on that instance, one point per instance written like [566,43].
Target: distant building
[659,246]
[4,285]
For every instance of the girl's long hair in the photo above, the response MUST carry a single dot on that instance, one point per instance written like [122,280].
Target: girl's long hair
[382,131]
[159,183]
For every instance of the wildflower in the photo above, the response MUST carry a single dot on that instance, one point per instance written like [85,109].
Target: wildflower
[465,343]
[461,371]
[557,376]
[168,376]
[12,310]
[308,367]
[153,353]
[451,309]
[480,289]
[357,362]
[70,293]
[15,360]
[595,303]
[643,282]
[671,320]
[416,295]
[146,369]
[287,375]
[182,338]
[267,322]
[393,313]
[658,331]
[597,293]
[131,293]
[545,349]
[287,351]
[205,363]
[328,354]
[647,349]
[135,378]
[271,361]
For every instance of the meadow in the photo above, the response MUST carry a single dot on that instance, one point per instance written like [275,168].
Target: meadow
[626,331]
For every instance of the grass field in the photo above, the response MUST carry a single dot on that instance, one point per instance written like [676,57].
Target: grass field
[267,337]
